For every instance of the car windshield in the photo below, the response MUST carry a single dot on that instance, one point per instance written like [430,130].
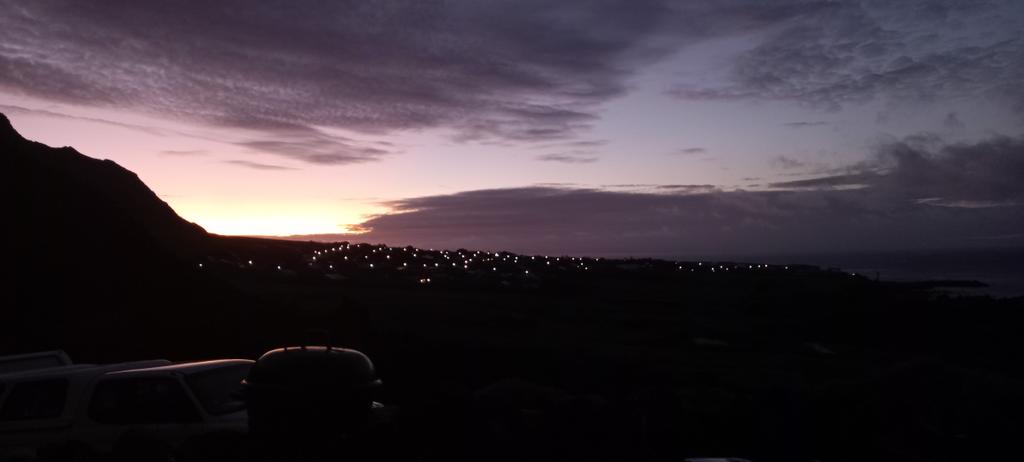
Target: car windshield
[218,390]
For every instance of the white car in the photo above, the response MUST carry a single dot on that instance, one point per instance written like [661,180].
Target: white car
[91,409]
[29,361]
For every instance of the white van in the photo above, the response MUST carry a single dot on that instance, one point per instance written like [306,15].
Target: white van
[90,409]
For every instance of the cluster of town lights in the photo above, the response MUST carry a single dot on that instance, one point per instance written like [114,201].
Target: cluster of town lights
[498,262]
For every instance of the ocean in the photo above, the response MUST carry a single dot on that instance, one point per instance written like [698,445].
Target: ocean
[1001,269]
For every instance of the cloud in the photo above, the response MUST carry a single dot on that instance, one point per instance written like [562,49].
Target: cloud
[184,153]
[914,193]
[852,52]
[314,146]
[690,151]
[257,165]
[987,171]
[584,145]
[925,170]
[522,72]
[689,188]
[499,69]
[517,71]
[567,158]
[834,181]
[805,124]
[787,163]
[952,121]
[10,109]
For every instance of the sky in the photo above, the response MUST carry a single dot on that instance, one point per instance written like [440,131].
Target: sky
[589,127]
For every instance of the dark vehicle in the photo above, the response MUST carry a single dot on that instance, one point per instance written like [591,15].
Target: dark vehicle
[310,390]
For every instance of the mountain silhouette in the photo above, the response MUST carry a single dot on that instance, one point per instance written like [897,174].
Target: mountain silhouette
[63,195]
[95,257]
[93,254]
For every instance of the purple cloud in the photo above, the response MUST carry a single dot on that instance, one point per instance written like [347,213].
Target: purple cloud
[913,194]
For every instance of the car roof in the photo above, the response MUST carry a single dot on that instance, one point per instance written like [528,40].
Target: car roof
[79,369]
[184,368]
[29,361]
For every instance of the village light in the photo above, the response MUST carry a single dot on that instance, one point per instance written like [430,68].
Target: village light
[250,262]
[278,267]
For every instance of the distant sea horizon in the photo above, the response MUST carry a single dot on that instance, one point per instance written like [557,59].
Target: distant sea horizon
[1002,270]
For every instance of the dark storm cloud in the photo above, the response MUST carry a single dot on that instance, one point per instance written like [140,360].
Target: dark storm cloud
[919,50]
[913,194]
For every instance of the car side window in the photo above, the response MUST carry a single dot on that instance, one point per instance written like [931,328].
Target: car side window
[37,399]
[144,400]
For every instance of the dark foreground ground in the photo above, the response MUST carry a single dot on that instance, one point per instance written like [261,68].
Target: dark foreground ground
[506,357]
